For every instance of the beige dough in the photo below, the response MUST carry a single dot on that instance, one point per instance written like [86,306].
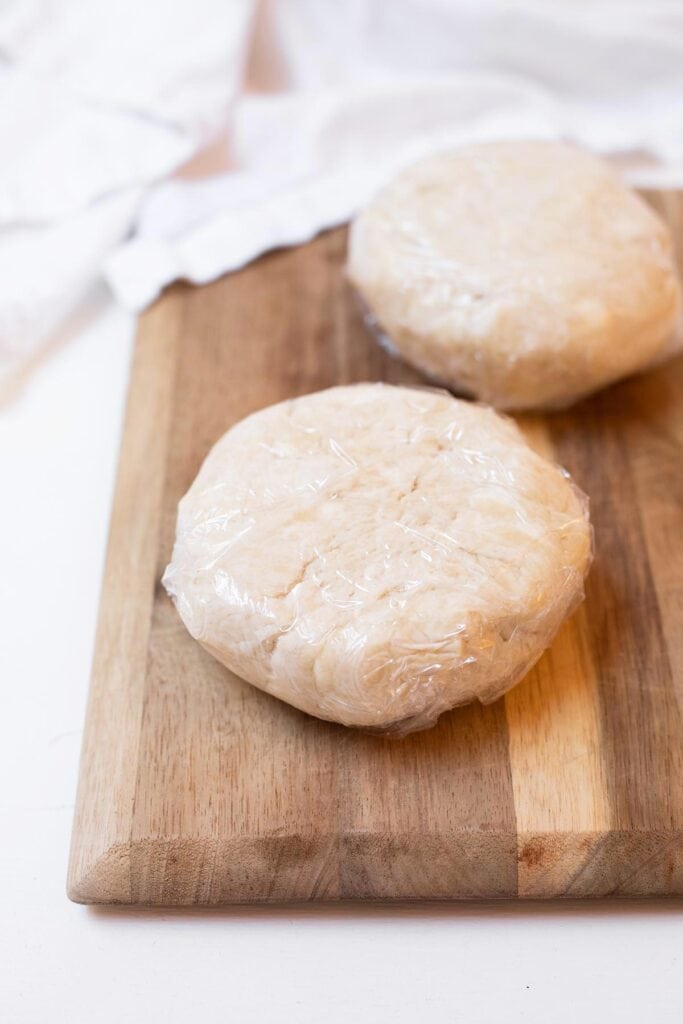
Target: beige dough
[523,273]
[376,555]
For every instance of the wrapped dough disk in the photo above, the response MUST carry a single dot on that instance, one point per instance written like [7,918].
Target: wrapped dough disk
[525,274]
[376,555]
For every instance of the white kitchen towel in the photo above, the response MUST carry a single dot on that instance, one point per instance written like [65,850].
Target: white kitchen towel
[107,100]
[98,100]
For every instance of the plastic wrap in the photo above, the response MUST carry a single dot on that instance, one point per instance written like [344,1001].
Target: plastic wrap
[525,274]
[375,555]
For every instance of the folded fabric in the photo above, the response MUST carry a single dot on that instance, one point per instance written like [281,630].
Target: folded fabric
[101,100]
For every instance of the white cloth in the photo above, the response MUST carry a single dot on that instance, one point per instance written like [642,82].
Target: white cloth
[108,100]
[98,100]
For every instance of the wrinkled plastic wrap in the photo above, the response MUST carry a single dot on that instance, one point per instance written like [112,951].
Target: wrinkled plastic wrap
[376,555]
[525,274]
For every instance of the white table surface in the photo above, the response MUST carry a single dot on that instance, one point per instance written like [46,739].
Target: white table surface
[60,962]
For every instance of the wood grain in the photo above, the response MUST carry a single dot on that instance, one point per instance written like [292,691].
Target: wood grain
[198,789]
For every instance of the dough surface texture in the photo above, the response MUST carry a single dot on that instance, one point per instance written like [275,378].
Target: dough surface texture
[376,555]
[525,274]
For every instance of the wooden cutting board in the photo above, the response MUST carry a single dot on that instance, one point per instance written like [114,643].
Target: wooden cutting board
[196,788]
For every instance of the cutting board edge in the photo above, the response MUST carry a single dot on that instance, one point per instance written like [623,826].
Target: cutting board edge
[550,865]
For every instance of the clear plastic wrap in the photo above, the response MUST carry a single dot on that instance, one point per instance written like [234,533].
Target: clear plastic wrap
[376,555]
[525,274]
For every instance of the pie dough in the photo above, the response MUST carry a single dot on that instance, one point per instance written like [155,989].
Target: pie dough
[525,274]
[375,555]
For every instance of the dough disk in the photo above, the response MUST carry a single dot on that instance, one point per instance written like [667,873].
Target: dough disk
[375,555]
[523,273]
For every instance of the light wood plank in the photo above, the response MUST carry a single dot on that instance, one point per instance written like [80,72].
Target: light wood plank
[100,857]
[558,776]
